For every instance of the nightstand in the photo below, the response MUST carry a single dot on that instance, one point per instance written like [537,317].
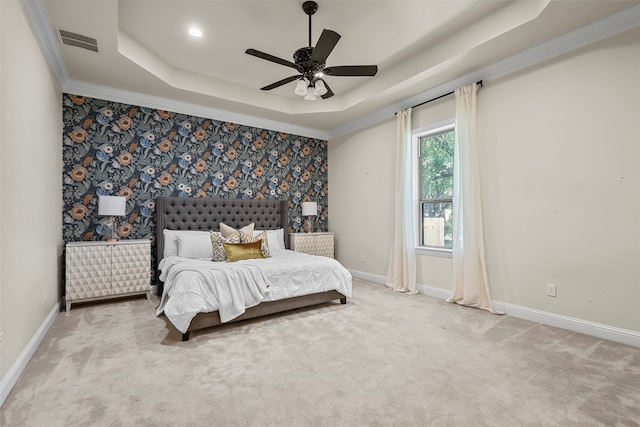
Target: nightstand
[102,270]
[313,243]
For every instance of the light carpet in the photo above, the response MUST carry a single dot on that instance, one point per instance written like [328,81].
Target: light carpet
[383,359]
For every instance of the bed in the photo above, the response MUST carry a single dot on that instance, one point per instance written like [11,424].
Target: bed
[329,281]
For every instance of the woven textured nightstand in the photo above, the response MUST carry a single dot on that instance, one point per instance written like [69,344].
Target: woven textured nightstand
[313,243]
[101,270]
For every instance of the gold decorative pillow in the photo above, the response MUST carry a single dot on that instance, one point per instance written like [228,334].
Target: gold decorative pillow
[217,242]
[262,237]
[238,251]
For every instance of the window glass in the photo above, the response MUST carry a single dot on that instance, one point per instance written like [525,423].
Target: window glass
[436,151]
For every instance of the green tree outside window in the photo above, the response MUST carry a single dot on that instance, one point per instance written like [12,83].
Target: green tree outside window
[436,188]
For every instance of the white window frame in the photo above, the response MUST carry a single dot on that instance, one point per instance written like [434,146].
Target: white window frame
[416,134]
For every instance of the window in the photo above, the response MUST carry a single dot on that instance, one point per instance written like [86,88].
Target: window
[435,187]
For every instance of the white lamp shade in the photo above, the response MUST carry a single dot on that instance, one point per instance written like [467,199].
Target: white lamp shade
[301,87]
[311,94]
[321,89]
[112,206]
[309,208]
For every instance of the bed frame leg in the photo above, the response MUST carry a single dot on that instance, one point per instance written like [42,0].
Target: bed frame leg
[343,300]
[185,336]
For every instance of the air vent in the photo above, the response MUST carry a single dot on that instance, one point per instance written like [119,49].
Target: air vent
[78,40]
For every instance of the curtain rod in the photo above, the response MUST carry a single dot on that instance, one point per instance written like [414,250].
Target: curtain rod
[479,83]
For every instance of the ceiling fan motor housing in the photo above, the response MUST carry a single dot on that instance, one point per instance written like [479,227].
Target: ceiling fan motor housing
[310,61]
[302,55]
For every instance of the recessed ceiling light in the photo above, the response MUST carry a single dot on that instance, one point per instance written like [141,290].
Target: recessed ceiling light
[195,32]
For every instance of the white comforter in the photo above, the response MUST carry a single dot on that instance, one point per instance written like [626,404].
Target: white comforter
[193,286]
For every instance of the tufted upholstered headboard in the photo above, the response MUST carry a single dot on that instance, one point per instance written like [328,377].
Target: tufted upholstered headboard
[182,213]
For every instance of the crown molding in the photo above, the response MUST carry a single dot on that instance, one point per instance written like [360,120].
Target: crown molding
[616,23]
[44,31]
[591,33]
[612,25]
[91,90]
[41,26]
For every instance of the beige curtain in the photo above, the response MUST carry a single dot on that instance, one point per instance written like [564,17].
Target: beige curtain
[401,272]
[470,282]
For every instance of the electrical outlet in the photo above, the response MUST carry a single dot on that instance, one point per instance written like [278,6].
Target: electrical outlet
[1,334]
[362,259]
[551,290]
[44,296]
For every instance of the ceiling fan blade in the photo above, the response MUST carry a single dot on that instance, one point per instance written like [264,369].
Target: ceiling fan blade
[352,70]
[271,58]
[281,82]
[327,41]
[329,93]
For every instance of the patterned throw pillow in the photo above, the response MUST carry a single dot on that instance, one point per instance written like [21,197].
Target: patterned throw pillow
[247,238]
[217,241]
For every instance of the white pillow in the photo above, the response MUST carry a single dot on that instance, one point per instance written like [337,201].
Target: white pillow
[195,245]
[171,240]
[275,239]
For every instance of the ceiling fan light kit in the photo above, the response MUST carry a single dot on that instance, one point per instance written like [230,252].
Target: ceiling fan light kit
[311,94]
[301,87]
[321,88]
[310,62]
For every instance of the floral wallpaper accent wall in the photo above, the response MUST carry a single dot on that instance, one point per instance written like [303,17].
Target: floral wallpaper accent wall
[140,153]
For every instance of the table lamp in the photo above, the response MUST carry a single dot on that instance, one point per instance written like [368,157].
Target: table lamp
[309,209]
[112,206]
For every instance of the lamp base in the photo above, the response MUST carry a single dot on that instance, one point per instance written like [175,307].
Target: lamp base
[112,230]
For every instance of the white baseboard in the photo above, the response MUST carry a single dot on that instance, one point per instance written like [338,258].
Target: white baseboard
[14,373]
[598,330]
[375,278]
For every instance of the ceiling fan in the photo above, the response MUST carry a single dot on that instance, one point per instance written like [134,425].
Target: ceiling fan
[310,63]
